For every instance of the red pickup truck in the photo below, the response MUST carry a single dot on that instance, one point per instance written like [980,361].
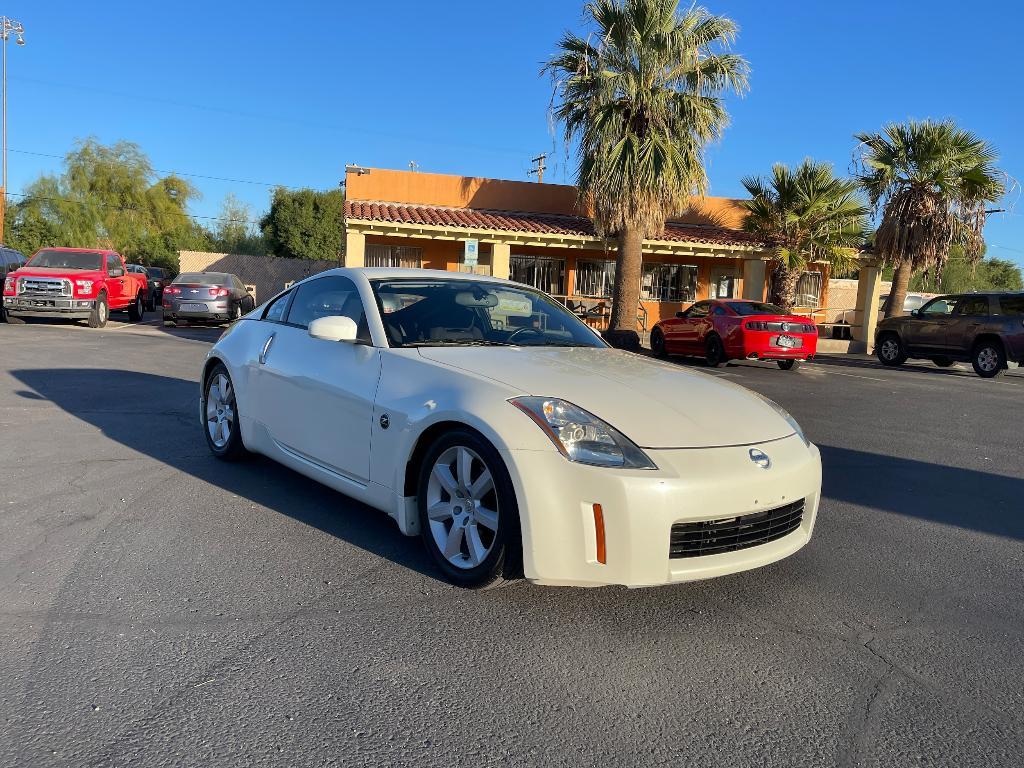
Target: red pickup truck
[76,283]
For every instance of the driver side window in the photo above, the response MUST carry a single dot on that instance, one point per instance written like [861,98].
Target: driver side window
[939,307]
[114,268]
[325,297]
[698,310]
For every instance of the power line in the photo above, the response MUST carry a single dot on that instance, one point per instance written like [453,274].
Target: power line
[129,208]
[176,173]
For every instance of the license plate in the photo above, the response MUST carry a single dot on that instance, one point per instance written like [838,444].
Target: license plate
[789,342]
[192,308]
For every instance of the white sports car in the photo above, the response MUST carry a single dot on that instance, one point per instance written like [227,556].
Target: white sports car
[485,417]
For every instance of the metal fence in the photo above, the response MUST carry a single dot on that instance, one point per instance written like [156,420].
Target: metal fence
[267,274]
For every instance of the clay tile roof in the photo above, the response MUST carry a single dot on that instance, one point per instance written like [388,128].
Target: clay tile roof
[515,221]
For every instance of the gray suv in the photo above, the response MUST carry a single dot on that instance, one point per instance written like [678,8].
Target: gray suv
[986,329]
[10,260]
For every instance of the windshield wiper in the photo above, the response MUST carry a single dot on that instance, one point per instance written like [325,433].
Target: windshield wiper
[459,343]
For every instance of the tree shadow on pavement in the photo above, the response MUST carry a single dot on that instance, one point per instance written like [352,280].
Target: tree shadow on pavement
[172,435]
[965,498]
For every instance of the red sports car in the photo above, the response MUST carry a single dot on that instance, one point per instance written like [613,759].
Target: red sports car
[730,329]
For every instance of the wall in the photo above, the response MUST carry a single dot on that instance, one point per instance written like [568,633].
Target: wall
[269,274]
[473,192]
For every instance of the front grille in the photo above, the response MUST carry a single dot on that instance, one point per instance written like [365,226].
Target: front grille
[44,286]
[713,537]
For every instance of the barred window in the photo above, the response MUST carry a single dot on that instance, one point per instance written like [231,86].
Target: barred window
[405,256]
[595,279]
[669,282]
[808,289]
[542,272]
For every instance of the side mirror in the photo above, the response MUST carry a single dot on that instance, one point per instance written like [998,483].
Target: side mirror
[680,315]
[334,328]
[914,313]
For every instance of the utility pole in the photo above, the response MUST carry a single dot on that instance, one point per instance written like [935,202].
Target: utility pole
[7,26]
[539,170]
[414,166]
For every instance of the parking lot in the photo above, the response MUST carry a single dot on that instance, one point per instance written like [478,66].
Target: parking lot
[163,608]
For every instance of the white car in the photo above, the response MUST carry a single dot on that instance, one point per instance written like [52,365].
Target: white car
[485,417]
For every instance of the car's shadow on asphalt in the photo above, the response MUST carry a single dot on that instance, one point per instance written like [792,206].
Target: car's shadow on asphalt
[917,366]
[929,491]
[175,439]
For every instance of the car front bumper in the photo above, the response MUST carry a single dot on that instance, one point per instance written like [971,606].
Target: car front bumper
[49,307]
[639,507]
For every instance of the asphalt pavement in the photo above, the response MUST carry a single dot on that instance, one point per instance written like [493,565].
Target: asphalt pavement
[158,607]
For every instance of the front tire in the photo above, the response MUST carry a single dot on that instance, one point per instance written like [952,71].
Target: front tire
[658,343]
[788,365]
[100,312]
[989,359]
[469,519]
[220,412]
[714,351]
[890,350]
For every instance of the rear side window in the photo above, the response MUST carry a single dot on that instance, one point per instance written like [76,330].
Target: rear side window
[699,310]
[1011,305]
[275,312]
[327,296]
[114,268]
[973,306]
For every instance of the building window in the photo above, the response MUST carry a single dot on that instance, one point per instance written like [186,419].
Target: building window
[404,256]
[808,289]
[669,282]
[595,279]
[542,272]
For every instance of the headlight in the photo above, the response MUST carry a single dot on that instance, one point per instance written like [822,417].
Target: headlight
[83,287]
[787,416]
[9,284]
[582,437]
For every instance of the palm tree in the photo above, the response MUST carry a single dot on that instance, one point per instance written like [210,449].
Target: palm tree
[806,214]
[932,181]
[643,100]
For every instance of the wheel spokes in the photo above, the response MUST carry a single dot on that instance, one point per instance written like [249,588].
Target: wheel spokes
[445,478]
[482,485]
[477,550]
[464,467]
[453,545]
[486,517]
[440,511]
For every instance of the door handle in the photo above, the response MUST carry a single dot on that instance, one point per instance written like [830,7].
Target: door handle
[266,349]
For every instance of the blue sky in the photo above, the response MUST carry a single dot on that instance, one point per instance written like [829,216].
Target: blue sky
[287,94]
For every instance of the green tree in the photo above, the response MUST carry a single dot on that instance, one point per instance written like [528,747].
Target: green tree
[106,196]
[961,276]
[305,224]
[806,214]
[643,101]
[933,182]
[235,231]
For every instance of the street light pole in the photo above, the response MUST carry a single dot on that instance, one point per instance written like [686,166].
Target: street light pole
[7,26]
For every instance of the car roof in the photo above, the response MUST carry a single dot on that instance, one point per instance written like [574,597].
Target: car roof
[82,250]
[384,273]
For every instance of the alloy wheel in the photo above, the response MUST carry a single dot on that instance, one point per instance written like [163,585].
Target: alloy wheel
[220,410]
[462,507]
[988,360]
[890,349]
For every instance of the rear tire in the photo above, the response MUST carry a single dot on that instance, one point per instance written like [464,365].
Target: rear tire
[136,310]
[658,343]
[220,416]
[788,365]
[449,501]
[890,350]
[988,359]
[151,304]
[714,351]
[100,312]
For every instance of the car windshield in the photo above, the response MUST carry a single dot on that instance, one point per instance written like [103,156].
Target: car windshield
[755,308]
[50,259]
[155,272]
[441,312]
[200,278]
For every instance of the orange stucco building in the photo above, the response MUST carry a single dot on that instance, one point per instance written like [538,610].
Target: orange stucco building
[536,234]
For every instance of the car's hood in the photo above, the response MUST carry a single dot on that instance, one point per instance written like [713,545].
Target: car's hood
[656,404]
[77,274]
